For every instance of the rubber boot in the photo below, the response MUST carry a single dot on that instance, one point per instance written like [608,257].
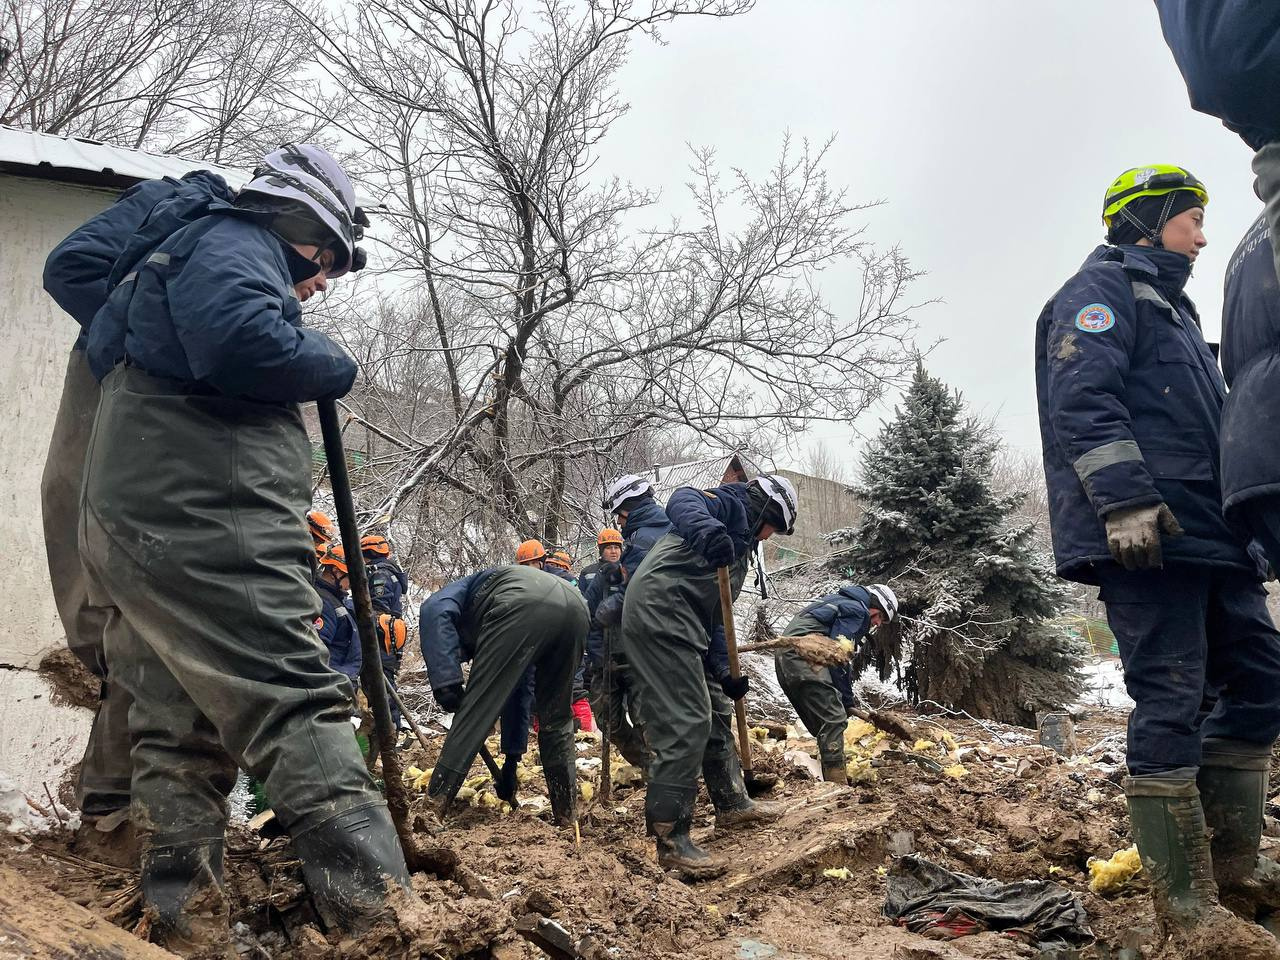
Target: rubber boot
[1168,825]
[836,773]
[181,882]
[351,862]
[734,807]
[1233,791]
[668,817]
[562,792]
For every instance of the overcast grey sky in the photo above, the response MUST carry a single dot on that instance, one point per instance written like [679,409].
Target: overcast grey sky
[990,127]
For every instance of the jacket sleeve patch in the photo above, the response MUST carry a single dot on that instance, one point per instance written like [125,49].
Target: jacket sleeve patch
[1095,318]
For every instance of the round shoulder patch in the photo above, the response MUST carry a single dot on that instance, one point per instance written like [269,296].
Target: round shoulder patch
[1095,318]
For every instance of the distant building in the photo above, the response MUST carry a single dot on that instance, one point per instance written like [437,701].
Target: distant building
[825,505]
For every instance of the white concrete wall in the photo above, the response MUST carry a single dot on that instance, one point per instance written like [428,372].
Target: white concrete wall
[37,740]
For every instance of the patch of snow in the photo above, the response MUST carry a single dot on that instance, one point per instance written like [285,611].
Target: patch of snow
[22,816]
[1104,685]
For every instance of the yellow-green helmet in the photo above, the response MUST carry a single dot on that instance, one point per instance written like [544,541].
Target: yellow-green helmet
[1153,180]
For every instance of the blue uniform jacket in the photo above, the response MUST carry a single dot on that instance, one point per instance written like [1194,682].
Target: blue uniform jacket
[1130,404]
[1251,364]
[387,586]
[78,273]
[213,306]
[845,613]
[1229,55]
[338,631]
[695,515]
[644,526]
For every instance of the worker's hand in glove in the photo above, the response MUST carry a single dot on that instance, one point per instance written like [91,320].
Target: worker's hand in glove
[505,788]
[1133,536]
[589,671]
[613,574]
[717,549]
[735,688]
[449,698]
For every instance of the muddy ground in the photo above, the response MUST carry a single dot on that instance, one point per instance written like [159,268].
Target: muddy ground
[1004,808]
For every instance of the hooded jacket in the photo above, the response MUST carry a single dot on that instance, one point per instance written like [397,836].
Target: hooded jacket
[845,613]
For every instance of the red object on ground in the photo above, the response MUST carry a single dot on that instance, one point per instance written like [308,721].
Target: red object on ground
[582,713]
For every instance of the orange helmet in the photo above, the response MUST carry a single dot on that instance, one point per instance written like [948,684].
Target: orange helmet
[376,545]
[609,535]
[322,530]
[332,555]
[530,550]
[560,559]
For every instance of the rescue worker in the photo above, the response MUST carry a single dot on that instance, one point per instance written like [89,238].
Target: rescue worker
[336,625]
[387,587]
[673,637]
[1233,777]
[321,528]
[1130,404]
[531,553]
[202,556]
[822,696]
[609,550]
[78,275]
[1229,55]
[614,693]
[506,621]
[561,564]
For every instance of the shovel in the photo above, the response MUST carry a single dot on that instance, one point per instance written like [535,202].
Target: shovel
[764,783]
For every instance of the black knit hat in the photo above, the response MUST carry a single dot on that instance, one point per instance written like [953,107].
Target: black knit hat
[1146,217]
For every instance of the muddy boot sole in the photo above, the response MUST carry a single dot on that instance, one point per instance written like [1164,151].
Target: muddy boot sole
[693,870]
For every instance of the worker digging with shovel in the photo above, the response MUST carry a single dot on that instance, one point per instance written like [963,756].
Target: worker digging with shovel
[673,635]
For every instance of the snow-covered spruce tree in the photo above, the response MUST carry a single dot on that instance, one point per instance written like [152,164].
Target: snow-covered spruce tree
[977,599]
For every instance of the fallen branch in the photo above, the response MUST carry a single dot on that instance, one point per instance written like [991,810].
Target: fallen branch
[814,647]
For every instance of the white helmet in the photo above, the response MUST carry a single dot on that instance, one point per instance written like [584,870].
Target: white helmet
[308,175]
[884,598]
[782,493]
[621,489]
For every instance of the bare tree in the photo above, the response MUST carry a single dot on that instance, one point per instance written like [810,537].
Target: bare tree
[568,341]
[208,77]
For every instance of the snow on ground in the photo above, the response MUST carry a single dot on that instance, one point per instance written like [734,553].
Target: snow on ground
[1105,685]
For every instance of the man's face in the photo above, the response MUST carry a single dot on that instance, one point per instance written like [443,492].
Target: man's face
[1185,233]
[877,617]
[767,530]
[611,553]
[539,564]
[320,282]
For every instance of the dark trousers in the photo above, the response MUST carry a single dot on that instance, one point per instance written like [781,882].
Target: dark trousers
[527,619]
[616,704]
[817,702]
[106,770]
[1201,659]
[193,534]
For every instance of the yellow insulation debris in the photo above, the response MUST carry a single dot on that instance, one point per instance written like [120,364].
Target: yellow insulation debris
[1110,876]
[838,873]
[759,733]
[924,745]
[956,771]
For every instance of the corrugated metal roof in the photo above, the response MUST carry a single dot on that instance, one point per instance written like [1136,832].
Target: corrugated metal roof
[698,473]
[27,153]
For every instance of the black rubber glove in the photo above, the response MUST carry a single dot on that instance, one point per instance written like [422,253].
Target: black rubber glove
[734,688]
[718,549]
[589,671]
[612,574]
[505,788]
[449,698]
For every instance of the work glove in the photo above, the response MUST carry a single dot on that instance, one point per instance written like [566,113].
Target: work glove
[612,574]
[505,788]
[589,671]
[717,549]
[735,688]
[448,698]
[1133,536]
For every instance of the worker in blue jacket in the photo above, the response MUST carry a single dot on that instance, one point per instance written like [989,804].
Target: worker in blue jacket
[615,695]
[192,529]
[387,586]
[77,274]
[822,696]
[336,625]
[1130,404]
[673,638]
[506,621]
[1229,55]
[1233,778]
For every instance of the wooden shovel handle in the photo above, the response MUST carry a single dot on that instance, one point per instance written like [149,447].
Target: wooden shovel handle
[731,642]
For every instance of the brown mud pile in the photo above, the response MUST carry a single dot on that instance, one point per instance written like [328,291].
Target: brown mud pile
[966,801]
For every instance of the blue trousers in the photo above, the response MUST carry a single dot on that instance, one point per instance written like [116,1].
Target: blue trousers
[1201,659]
